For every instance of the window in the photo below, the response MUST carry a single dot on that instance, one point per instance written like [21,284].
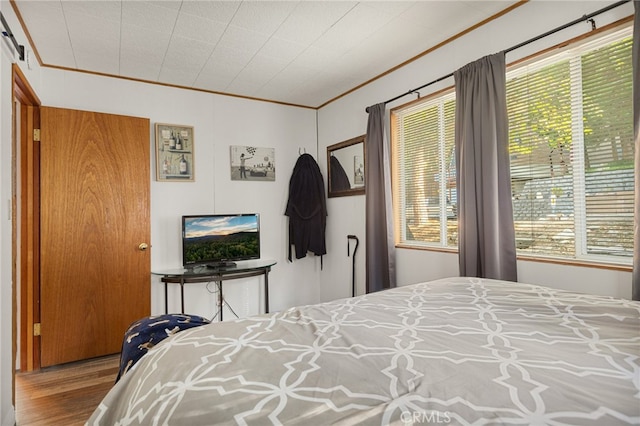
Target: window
[425,158]
[571,148]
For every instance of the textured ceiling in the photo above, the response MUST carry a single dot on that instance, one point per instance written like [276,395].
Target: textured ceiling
[296,52]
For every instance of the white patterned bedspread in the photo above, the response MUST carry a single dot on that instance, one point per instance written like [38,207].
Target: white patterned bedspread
[451,351]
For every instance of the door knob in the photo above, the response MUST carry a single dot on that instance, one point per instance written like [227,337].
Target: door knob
[143,246]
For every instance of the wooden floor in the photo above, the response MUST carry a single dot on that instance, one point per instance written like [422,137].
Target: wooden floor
[64,395]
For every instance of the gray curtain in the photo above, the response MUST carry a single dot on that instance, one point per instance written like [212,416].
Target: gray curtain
[380,244]
[635,288]
[486,236]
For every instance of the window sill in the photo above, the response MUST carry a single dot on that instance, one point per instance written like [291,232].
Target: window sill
[578,262]
[528,258]
[427,248]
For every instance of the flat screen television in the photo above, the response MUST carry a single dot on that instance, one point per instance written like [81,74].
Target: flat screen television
[219,240]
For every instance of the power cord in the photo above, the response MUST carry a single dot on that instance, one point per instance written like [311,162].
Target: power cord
[224,302]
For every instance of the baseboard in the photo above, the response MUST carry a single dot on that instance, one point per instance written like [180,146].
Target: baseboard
[10,418]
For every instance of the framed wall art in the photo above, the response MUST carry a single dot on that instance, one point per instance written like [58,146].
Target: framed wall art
[253,163]
[174,153]
[345,167]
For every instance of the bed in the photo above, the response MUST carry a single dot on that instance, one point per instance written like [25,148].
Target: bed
[450,351]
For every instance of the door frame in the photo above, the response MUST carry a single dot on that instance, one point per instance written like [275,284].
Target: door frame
[25,172]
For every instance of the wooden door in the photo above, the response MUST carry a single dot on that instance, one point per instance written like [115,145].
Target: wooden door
[95,278]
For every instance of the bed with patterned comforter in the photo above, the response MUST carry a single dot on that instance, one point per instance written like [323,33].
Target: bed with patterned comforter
[450,351]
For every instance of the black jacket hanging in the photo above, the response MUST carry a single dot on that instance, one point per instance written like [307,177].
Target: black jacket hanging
[307,208]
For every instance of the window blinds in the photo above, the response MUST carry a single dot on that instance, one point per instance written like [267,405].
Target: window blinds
[425,172]
[571,150]
[571,153]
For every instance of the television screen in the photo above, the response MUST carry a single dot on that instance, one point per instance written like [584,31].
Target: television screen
[219,240]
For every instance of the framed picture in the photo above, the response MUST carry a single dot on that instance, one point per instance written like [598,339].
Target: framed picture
[252,163]
[174,153]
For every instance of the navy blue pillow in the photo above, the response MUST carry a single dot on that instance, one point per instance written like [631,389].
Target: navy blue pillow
[147,332]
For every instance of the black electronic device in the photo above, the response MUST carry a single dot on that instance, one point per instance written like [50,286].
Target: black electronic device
[219,240]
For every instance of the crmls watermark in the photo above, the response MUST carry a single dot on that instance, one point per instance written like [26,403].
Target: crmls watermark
[426,417]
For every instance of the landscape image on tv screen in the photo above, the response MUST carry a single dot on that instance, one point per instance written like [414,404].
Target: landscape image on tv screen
[214,239]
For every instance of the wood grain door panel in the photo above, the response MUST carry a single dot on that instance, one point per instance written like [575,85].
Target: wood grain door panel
[95,280]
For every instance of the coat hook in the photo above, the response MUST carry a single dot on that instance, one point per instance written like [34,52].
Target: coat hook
[300,150]
[593,24]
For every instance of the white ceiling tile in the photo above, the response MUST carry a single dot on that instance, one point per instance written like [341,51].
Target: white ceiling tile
[316,93]
[226,61]
[222,67]
[109,10]
[220,11]
[258,72]
[198,28]
[380,44]
[54,47]
[282,49]
[311,19]
[213,82]
[290,82]
[487,7]
[33,7]
[293,76]
[58,39]
[271,92]
[303,52]
[427,14]
[91,34]
[46,22]
[391,8]
[345,68]
[314,58]
[168,4]
[134,68]
[56,55]
[176,76]
[262,16]
[184,60]
[40,12]
[354,27]
[142,52]
[243,88]
[186,53]
[446,15]
[143,44]
[149,15]
[97,61]
[242,39]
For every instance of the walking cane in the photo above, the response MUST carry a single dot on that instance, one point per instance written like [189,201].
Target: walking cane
[353,267]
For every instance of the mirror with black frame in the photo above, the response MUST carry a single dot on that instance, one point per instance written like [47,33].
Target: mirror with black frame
[345,167]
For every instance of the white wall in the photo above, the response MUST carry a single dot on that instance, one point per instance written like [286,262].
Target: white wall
[346,118]
[219,122]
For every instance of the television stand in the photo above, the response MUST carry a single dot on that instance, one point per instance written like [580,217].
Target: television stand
[221,265]
[203,274]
